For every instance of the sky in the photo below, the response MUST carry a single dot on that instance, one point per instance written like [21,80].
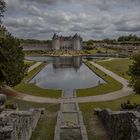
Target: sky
[92,19]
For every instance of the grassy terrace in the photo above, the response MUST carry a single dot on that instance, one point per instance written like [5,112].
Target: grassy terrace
[119,66]
[29,63]
[46,125]
[32,89]
[102,50]
[111,85]
[54,53]
[88,109]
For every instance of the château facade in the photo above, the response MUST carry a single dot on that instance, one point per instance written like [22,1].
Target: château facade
[67,42]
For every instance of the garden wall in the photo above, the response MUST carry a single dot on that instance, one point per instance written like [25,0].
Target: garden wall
[121,125]
[18,125]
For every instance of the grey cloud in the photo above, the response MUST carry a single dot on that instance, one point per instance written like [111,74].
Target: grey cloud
[91,18]
[20,22]
[85,27]
[129,28]
[50,2]
[128,23]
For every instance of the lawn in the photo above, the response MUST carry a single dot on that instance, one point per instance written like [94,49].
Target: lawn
[101,50]
[46,126]
[88,113]
[119,66]
[110,85]
[32,89]
[29,63]
[92,52]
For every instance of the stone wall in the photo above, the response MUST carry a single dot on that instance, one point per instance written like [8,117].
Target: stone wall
[18,125]
[66,42]
[121,125]
[36,47]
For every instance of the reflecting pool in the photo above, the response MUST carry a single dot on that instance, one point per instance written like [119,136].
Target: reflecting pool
[67,73]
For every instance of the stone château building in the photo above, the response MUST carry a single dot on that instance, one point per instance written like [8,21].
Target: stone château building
[67,43]
[66,62]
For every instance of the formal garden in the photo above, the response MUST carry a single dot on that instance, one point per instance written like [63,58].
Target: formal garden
[52,80]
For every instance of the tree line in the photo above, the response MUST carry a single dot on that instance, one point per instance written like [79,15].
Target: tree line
[34,41]
[128,38]
[12,67]
[131,38]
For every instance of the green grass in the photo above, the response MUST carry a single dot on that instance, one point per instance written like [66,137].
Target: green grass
[102,50]
[32,89]
[29,63]
[53,53]
[93,52]
[88,110]
[46,126]
[119,66]
[110,86]
[24,105]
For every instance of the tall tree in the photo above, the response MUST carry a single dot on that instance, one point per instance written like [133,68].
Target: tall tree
[128,38]
[12,68]
[134,72]
[2,8]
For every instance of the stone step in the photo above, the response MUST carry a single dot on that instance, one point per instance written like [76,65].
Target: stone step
[70,124]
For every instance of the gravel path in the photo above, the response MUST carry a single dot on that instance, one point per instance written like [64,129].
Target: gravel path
[34,66]
[106,60]
[125,91]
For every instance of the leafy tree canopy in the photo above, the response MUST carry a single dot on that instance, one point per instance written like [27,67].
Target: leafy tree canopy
[128,38]
[12,68]
[2,8]
[134,72]
[34,41]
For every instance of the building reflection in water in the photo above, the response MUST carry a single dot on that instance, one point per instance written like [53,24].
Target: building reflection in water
[67,62]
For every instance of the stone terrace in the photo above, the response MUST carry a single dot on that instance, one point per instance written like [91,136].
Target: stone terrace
[121,125]
[18,125]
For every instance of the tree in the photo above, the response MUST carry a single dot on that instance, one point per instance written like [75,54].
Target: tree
[12,68]
[2,8]
[134,72]
[107,40]
[90,42]
[128,38]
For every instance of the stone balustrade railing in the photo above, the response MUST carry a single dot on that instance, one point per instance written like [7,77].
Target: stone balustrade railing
[18,125]
[121,125]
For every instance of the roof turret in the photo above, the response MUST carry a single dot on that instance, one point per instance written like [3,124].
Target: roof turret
[76,36]
[55,36]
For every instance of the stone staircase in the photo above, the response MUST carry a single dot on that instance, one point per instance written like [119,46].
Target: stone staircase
[70,124]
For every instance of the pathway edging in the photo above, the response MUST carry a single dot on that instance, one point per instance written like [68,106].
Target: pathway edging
[62,124]
[125,91]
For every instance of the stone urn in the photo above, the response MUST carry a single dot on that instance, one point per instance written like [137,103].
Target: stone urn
[3,99]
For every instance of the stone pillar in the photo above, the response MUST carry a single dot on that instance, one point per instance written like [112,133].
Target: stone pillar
[3,99]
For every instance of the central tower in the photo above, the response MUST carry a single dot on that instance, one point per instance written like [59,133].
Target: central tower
[67,42]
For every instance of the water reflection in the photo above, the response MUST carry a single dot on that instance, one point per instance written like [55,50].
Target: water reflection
[67,62]
[66,73]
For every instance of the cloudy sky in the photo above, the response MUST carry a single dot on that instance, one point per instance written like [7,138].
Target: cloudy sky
[92,19]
